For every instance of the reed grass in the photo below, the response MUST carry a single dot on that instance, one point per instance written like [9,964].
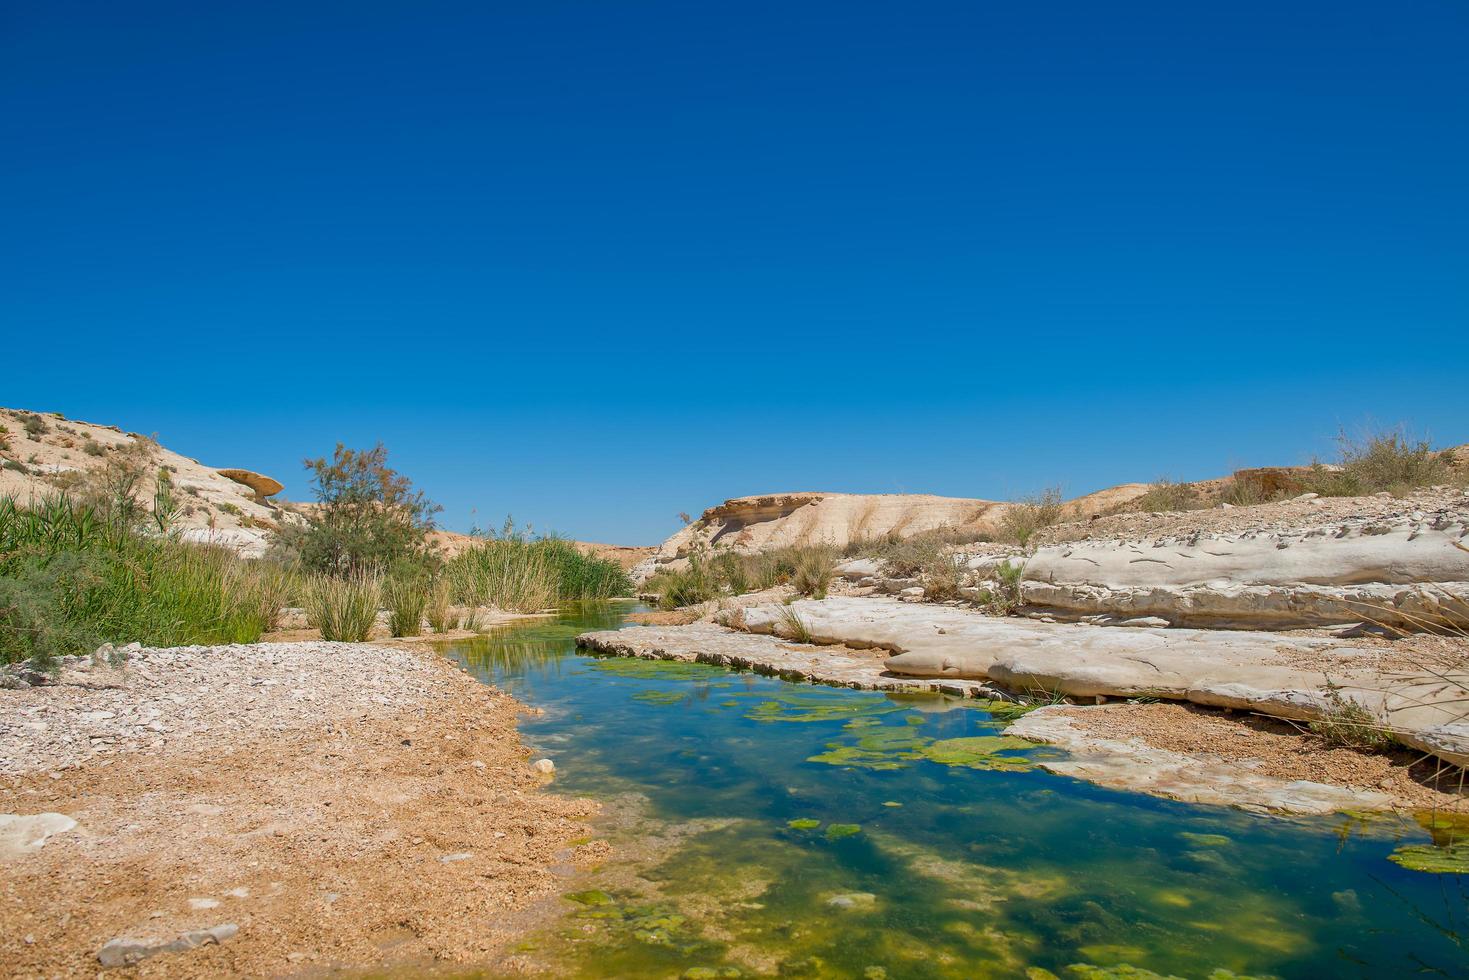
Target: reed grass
[521,575]
[405,597]
[343,609]
[73,576]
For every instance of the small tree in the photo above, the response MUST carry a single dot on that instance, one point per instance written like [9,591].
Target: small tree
[368,515]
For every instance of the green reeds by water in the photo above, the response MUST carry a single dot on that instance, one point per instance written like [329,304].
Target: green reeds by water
[71,579]
[520,575]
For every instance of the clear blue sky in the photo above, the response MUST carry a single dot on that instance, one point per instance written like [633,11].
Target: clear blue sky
[598,263]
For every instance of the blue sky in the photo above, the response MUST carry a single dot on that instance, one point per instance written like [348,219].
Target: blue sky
[594,264]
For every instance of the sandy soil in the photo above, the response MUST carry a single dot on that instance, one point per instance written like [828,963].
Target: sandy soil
[353,821]
[1280,749]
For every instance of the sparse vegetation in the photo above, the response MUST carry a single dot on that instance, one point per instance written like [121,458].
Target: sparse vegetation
[792,627]
[93,448]
[1347,724]
[1387,461]
[343,608]
[1024,517]
[1165,495]
[807,569]
[1005,596]
[34,425]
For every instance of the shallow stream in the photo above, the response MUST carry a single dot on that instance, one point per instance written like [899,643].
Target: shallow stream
[813,831]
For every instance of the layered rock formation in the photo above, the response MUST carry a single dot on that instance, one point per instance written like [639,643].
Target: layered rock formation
[1396,573]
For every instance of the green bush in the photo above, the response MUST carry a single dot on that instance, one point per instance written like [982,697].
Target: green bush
[367,518]
[72,579]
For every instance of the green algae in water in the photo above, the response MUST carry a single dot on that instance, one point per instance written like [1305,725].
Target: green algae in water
[803,823]
[1430,858]
[836,831]
[1207,840]
[812,707]
[888,747]
[980,752]
[661,697]
[591,897]
[654,670]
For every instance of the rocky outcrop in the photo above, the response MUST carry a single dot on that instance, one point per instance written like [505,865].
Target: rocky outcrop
[750,524]
[1234,669]
[260,485]
[1399,574]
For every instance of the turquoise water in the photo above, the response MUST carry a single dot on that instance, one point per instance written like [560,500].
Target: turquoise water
[811,831]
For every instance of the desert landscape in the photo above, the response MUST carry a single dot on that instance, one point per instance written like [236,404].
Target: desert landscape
[667,491]
[1290,642]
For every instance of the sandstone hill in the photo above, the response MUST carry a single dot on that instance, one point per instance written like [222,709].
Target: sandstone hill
[41,453]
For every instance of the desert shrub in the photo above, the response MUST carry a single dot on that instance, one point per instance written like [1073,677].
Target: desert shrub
[1004,597]
[4,438]
[942,577]
[34,425]
[806,568]
[1244,491]
[343,608]
[1349,725]
[689,586]
[93,448]
[367,517]
[1387,461]
[812,575]
[73,576]
[16,465]
[405,596]
[1165,495]
[792,627]
[1019,521]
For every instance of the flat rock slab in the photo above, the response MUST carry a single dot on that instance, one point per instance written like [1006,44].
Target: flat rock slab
[1229,669]
[1131,764]
[23,834]
[710,644]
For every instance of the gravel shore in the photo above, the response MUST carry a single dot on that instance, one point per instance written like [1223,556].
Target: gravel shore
[339,805]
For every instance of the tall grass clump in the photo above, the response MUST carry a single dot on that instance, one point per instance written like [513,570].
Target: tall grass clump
[510,574]
[522,575]
[74,576]
[441,615]
[343,608]
[405,597]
